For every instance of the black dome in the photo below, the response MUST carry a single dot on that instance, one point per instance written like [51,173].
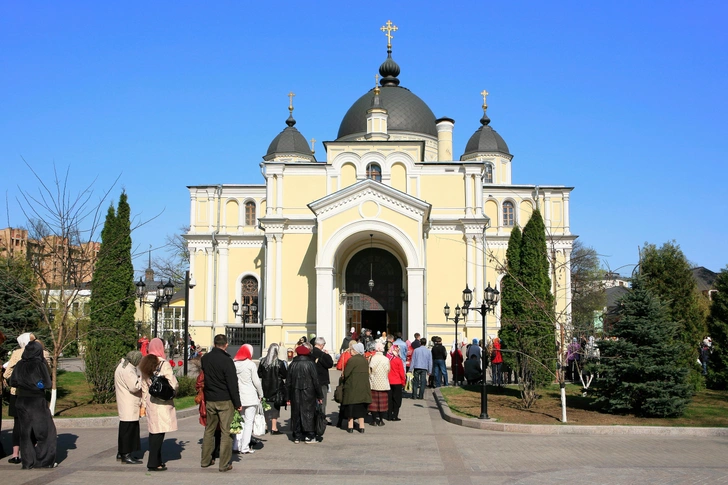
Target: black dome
[407,112]
[289,142]
[485,139]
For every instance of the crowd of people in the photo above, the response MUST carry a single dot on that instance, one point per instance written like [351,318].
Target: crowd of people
[376,373]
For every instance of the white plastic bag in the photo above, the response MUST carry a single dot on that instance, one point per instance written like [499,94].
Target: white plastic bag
[259,422]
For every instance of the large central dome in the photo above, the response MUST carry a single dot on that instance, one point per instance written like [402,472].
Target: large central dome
[407,113]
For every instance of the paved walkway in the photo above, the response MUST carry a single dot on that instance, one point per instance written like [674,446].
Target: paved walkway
[421,449]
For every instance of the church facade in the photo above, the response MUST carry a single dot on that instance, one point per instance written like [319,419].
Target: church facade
[381,235]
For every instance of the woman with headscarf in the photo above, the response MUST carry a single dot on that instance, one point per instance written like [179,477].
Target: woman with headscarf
[250,395]
[357,391]
[161,416]
[31,378]
[379,384]
[273,372]
[397,380]
[345,356]
[9,366]
[128,385]
[456,364]
[303,392]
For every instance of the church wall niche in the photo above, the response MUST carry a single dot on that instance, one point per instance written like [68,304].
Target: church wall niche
[232,215]
[490,208]
[298,274]
[398,179]
[348,175]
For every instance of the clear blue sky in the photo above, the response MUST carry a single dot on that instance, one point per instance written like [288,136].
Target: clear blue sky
[626,101]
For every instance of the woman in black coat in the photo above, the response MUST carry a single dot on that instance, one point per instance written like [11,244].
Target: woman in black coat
[273,372]
[303,394]
[31,378]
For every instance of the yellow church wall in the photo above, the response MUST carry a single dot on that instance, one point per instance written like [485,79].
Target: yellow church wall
[263,206]
[348,175]
[443,191]
[490,208]
[446,275]
[330,226]
[300,190]
[299,278]
[399,177]
[199,295]
[525,209]
[232,215]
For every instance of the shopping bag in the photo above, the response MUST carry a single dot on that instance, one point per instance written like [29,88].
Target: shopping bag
[408,385]
[320,420]
[259,422]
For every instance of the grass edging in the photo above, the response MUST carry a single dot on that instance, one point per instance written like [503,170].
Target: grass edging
[110,421]
[492,425]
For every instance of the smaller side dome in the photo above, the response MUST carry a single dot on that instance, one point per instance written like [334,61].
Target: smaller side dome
[290,145]
[485,139]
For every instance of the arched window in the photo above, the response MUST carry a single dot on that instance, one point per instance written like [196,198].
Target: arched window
[508,213]
[250,213]
[374,172]
[249,295]
[488,174]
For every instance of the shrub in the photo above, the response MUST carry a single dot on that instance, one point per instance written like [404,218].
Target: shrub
[186,386]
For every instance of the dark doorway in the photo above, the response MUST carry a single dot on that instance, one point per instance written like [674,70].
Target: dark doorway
[379,307]
[376,320]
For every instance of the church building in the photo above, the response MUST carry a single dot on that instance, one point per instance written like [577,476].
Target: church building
[381,235]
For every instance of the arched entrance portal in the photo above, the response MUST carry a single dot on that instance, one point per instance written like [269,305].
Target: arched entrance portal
[378,308]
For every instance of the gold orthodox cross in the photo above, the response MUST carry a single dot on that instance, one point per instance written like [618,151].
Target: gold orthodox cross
[290,101]
[313,140]
[376,80]
[485,94]
[388,28]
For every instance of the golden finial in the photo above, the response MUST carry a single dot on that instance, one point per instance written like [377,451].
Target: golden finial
[485,94]
[290,101]
[376,84]
[313,140]
[388,28]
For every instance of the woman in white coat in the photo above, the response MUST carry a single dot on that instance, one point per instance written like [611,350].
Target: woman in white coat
[128,386]
[251,392]
[161,416]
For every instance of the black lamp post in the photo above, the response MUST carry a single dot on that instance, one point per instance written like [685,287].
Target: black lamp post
[490,300]
[458,313]
[164,296]
[253,308]
[189,284]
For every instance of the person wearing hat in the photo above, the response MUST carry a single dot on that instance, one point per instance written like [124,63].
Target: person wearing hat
[304,392]
[128,385]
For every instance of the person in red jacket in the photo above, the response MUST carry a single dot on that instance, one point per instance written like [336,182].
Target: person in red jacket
[496,361]
[397,381]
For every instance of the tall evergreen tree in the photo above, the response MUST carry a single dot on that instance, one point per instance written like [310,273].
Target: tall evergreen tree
[538,332]
[667,274]
[511,298]
[638,372]
[718,330]
[18,301]
[111,328]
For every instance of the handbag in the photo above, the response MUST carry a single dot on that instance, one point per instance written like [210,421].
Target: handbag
[259,422]
[339,391]
[320,420]
[160,387]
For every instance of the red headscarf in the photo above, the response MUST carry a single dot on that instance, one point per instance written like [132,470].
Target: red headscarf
[242,354]
[156,347]
[301,350]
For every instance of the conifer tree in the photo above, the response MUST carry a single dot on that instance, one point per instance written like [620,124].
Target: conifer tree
[18,294]
[111,328]
[511,298]
[667,274]
[718,331]
[537,337]
[639,372]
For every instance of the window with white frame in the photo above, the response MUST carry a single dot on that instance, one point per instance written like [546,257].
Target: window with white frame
[250,213]
[508,213]
[488,174]
[374,172]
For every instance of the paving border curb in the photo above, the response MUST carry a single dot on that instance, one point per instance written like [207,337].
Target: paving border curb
[492,425]
[109,421]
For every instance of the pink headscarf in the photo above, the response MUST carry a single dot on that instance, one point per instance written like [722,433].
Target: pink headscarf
[156,347]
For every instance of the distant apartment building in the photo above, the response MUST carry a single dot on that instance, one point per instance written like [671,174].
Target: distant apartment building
[56,260]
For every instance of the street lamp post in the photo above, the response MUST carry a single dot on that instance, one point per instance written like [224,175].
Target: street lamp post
[164,296]
[253,308]
[189,284]
[458,312]
[490,301]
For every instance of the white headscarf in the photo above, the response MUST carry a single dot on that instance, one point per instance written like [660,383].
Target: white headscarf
[23,339]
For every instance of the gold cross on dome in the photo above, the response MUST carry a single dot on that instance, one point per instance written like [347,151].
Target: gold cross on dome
[485,94]
[313,140]
[388,28]
[290,101]
[376,80]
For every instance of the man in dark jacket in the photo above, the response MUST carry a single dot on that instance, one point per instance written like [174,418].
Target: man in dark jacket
[222,398]
[324,362]
[439,355]
[303,391]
